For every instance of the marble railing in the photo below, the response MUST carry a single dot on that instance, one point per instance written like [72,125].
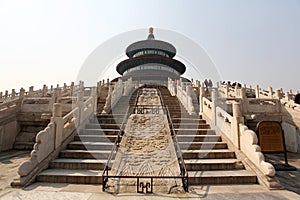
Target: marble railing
[249,146]
[65,90]
[56,135]
[10,107]
[116,91]
[290,104]
[228,91]
[184,94]
[207,107]
[172,86]
[262,106]
[232,127]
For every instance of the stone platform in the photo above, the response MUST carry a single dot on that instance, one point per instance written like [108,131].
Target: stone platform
[92,192]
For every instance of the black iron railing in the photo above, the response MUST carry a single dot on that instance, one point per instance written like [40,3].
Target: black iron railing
[183,170]
[116,145]
[147,109]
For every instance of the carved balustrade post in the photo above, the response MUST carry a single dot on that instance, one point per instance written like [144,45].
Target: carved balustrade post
[257,91]
[202,94]
[214,100]
[287,96]
[45,90]
[81,85]
[57,119]
[278,94]
[80,105]
[227,90]
[95,97]
[236,121]
[270,89]
[65,87]
[72,87]
[30,94]
[13,93]
[22,93]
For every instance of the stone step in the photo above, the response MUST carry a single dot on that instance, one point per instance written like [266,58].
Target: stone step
[105,116]
[199,138]
[75,153]
[208,154]
[72,163]
[99,132]
[102,126]
[178,115]
[212,164]
[110,120]
[221,177]
[24,145]
[202,145]
[119,112]
[124,103]
[181,131]
[178,112]
[90,145]
[188,120]
[70,176]
[95,138]
[190,126]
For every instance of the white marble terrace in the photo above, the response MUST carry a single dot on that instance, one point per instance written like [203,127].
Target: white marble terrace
[225,107]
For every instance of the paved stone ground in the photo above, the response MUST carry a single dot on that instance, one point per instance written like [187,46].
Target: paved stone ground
[93,192]
[289,179]
[9,162]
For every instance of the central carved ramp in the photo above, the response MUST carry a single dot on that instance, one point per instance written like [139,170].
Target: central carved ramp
[146,150]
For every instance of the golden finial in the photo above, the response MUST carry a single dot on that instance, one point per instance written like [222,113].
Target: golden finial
[151,30]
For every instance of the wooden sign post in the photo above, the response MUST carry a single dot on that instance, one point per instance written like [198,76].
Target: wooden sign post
[271,138]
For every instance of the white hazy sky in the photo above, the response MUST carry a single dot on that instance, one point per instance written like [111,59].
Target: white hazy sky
[46,42]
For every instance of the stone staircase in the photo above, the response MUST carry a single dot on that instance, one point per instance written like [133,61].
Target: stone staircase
[84,159]
[26,137]
[207,158]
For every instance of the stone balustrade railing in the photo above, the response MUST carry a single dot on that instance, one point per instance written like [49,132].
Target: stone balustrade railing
[229,91]
[269,104]
[65,90]
[232,127]
[58,133]
[291,104]
[207,107]
[10,107]
[226,91]
[262,106]
[183,91]
[172,86]
[249,146]
[116,91]
[276,107]
[226,108]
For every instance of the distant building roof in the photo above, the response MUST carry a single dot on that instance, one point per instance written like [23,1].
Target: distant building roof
[151,44]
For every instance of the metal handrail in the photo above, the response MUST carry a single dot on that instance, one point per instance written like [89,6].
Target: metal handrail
[181,162]
[116,144]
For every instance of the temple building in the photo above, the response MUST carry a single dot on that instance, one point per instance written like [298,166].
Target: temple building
[151,61]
